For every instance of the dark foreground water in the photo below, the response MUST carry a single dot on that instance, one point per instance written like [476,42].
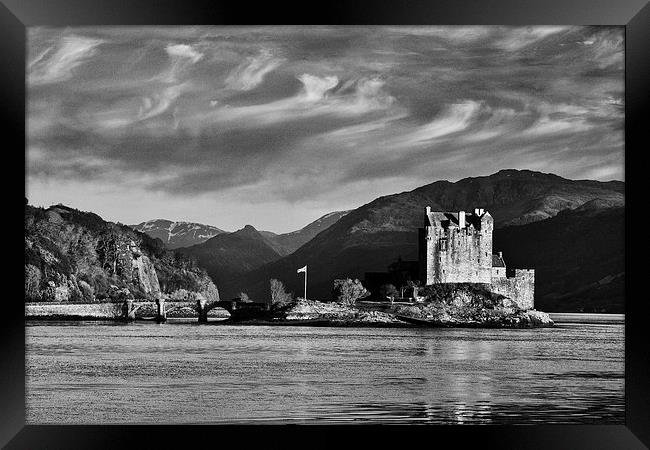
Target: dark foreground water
[89,372]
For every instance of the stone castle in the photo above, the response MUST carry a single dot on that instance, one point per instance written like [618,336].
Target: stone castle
[456,247]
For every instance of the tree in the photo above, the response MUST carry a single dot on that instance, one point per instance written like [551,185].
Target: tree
[108,251]
[243,297]
[348,291]
[389,291]
[86,291]
[32,282]
[279,297]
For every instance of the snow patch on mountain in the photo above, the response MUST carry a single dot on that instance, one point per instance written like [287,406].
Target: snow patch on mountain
[178,234]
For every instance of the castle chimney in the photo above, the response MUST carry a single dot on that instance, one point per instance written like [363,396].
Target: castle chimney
[461,219]
[428,209]
[501,255]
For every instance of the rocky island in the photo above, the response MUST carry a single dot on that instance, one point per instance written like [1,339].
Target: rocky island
[457,306]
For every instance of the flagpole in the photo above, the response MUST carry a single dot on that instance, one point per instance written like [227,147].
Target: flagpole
[305,282]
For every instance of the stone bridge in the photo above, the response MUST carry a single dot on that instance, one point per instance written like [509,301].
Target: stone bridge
[202,307]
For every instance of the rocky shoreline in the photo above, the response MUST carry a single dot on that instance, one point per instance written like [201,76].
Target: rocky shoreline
[316,313]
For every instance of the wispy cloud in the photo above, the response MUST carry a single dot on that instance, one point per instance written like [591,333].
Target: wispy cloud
[184,51]
[316,118]
[454,119]
[58,62]
[608,50]
[518,38]
[159,102]
[315,98]
[250,73]
[453,34]
[315,88]
[181,57]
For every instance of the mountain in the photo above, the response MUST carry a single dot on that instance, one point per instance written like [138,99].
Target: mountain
[177,234]
[578,258]
[376,234]
[71,255]
[516,197]
[228,255]
[288,243]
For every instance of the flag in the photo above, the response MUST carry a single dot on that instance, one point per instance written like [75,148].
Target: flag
[303,269]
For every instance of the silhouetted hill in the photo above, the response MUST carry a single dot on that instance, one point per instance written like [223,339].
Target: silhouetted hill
[177,234]
[376,234]
[230,254]
[71,255]
[288,243]
[515,197]
[578,258]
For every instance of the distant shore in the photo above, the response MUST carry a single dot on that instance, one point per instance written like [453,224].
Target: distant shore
[564,317]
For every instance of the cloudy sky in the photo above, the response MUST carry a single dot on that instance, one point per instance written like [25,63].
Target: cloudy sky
[276,126]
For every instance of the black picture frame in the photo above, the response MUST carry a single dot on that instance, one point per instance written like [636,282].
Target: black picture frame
[16,15]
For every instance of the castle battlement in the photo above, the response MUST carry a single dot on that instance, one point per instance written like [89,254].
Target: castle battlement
[456,247]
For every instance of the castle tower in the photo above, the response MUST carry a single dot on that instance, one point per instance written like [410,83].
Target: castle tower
[456,247]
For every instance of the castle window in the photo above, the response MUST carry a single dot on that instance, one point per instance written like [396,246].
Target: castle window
[443,245]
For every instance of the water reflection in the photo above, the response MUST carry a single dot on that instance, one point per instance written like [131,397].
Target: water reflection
[182,373]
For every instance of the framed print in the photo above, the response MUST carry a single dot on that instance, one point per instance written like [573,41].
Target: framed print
[369,215]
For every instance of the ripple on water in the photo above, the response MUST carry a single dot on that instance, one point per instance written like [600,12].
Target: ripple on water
[184,373]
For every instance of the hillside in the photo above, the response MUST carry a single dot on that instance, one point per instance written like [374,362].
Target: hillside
[376,234]
[577,255]
[228,255]
[72,255]
[177,234]
[288,243]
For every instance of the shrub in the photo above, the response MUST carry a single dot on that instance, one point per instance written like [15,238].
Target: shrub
[74,293]
[279,297]
[388,291]
[182,295]
[348,291]
[118,294]
[86,291]
[243,297]
[210,292]
[101,285]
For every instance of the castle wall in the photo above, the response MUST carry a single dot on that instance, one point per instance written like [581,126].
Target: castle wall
[423,259]
[520,288]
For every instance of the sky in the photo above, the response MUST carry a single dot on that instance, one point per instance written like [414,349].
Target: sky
[277,126]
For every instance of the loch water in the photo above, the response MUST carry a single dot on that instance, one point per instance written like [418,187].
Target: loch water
[178,373]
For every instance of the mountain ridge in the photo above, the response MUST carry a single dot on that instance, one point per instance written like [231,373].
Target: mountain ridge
[230,254]
[287,243]
[375,234]
[370,237]
[176,234]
